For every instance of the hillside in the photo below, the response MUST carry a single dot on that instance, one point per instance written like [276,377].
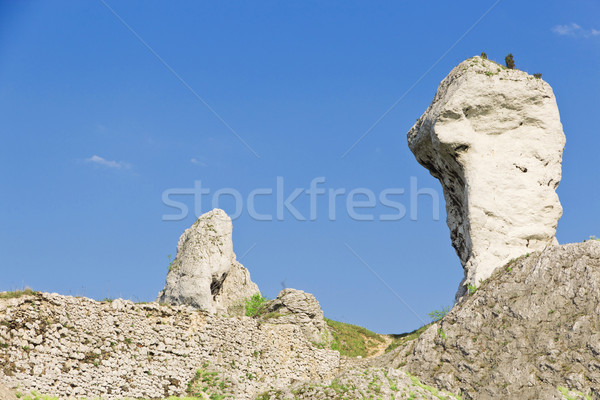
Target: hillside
[529,329]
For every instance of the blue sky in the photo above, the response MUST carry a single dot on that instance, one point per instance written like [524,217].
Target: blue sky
[94,128]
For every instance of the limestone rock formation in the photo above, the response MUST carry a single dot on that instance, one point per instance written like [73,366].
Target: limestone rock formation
[494,139]
[205,273]
[532,327]
[301,309]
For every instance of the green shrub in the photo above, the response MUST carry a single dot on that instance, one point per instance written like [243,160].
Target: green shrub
[510,61]
[472,289]
[255,305]
[538,75]
[484,55]
[442,334]
[437,315]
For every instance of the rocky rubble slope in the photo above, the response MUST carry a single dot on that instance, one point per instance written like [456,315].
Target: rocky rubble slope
[529,329]
[360,383]
[77,347]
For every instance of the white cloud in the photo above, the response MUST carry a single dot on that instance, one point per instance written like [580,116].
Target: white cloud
[566,29]
[574,30]
[107,163]
[196,161]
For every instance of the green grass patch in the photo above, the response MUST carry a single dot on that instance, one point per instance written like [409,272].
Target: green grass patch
[271,315]
[573,394]
[352,340]
[17,293]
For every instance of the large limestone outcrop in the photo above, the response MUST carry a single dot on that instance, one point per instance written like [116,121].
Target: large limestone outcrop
[205,273]
[493,138]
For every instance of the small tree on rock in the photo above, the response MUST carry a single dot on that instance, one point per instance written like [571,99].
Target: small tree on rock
[484,55]
[510,61]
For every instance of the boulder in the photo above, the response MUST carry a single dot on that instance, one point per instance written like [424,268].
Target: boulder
[301,309]
[493,138]
[205,273]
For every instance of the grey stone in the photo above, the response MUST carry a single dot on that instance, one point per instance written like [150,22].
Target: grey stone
[301,309]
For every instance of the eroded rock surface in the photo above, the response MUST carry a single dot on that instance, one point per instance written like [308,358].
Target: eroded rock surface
[532,327]
[205,273]
[494,139]
[301,309]
[368,383]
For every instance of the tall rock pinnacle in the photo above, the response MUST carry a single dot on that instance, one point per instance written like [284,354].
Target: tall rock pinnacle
[205,273]
[493,138]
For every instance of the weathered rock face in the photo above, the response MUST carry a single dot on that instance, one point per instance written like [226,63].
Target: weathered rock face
[533,326]
[300,309]
[362,383]
[205,273]
[493,138]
